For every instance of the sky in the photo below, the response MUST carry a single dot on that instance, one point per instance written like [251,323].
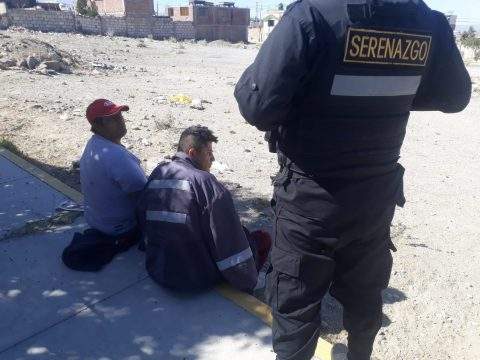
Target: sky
[463,8]
[468,11]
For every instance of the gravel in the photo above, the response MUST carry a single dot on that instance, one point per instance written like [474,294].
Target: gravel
[432,307]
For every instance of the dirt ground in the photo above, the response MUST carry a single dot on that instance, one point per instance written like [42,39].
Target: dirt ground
[432,307]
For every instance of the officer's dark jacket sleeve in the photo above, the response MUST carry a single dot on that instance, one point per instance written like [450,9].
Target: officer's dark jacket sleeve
[231,250]
[265,91]
[447,85]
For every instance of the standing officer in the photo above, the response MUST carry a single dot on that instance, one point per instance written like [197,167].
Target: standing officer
[333,86]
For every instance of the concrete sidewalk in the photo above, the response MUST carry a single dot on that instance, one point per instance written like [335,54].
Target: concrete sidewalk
[48,311]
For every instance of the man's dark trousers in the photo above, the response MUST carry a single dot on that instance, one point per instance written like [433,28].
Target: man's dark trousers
[330,235]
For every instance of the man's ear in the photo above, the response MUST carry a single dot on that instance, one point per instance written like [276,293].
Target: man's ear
[192,153]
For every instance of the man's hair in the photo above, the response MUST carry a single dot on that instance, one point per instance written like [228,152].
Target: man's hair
[100,121]
[195,137]
[95,123]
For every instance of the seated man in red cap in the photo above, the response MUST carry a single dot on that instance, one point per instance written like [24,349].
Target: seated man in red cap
[111,179]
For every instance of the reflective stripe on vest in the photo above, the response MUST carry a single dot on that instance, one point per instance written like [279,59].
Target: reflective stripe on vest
[234,260]
[170,184]
[167,216]
[365,86]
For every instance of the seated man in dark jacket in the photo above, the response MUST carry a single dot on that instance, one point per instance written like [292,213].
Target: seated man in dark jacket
[193,234]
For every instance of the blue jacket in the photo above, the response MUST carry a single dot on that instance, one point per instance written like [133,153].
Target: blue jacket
[193,233]
[335,82]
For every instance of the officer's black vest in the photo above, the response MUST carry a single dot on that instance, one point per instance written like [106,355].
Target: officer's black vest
[351,117]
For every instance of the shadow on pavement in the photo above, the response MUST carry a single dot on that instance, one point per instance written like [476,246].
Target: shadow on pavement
[49,311]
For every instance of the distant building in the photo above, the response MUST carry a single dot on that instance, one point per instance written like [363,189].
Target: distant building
[137,8]
[19,4]
[270,21]
[259,29]
[65,7]
[255,31]
[49,6]
[214,22]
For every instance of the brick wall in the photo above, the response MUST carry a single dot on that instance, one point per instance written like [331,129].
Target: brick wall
[139,8]
[232,33]
[54,21]
[88,25]
[184,30]
[181,13]
[131,26]
[218,15]
[113,26]
[139,26]
[110,7]
[163,28]
[217,22]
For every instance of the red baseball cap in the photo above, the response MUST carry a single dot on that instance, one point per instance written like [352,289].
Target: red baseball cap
[103,107]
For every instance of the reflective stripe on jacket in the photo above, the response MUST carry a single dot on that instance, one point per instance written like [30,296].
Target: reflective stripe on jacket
[193,233]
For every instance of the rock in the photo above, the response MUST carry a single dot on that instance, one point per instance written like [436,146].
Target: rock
[197,104]
[36,106]
[136,128]
[56,66]
[22,63]
[219,167]
[102,66]
[65,117]
[75,164]
[146,142]
[44,71]
[163,100]
[7,63]
[32,62]
[150,165]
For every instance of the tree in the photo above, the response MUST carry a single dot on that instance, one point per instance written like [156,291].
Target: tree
[469,38]
[86,8]
[471,32]
[280,7]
